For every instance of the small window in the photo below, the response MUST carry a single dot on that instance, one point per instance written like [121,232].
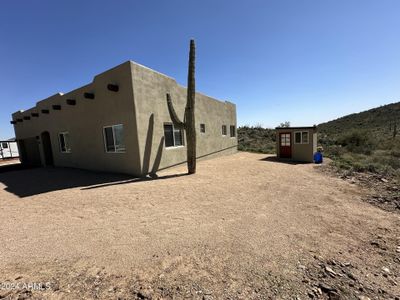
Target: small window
[223,129]
[301,137]
[304,137]
[297,137]
[233,130]
[114,138]
[202,128]
[285,139]
[64,142]
[4,145]
[173,136]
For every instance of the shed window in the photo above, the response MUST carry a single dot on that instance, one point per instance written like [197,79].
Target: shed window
[233,130]
[114,138]
[301,137]
[202,128]
[4,145]
[223,129]
[173,136]
[64,142]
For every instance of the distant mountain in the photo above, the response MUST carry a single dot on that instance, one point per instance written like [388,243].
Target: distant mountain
[377,121]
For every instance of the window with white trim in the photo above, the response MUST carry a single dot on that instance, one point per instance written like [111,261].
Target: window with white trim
[63,138]
[173,136]
[223,129]
[301,137]
[4,145]
[114,138]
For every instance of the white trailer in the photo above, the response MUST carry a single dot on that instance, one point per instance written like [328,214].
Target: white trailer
[8,149]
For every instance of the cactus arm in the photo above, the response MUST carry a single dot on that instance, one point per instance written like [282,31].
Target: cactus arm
[174,117]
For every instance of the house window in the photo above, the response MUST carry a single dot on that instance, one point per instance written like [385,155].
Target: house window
[114,138]
[202,128]
[173,136]
[223,129]
[233,130]
[63,138]
[301,137]
[4,145]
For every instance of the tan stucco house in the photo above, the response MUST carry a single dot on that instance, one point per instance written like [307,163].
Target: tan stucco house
[296,143]
[120,123]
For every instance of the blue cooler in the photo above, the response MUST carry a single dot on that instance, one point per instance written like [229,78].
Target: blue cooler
[318,158]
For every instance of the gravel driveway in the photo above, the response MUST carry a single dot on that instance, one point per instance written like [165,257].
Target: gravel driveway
[244,227]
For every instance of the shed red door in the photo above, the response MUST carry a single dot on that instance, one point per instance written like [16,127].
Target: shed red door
[285,145]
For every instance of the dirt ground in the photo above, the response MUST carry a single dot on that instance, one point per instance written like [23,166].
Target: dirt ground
[244,227]
[9,161]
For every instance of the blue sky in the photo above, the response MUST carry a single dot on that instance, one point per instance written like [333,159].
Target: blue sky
[301,61]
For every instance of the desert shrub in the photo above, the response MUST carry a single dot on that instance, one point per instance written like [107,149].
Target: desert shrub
[256,139]
[334,151]
[395,153]
[357,141]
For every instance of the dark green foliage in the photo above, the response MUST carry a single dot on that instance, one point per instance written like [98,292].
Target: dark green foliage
[284,124]
[256,139]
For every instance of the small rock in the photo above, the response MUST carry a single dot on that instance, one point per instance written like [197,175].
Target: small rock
[332,262]
[386,270]
[330,271]
[384,180]
[145,294]
[333,295]
[302,267]
[374,243]
[351,276]
[363,298]
[317,291]
[392,281]
[18,277]
[398,249]
[326,288]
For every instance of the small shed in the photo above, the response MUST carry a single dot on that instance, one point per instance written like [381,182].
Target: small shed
[296,143]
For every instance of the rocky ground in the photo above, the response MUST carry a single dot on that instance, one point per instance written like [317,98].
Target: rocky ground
[382,190]
[244,227]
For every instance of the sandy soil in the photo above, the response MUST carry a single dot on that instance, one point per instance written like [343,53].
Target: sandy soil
[244,227]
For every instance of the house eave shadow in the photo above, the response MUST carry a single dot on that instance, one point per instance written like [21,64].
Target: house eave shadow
[26,182]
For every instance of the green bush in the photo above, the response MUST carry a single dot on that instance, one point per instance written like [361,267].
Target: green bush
[357,141]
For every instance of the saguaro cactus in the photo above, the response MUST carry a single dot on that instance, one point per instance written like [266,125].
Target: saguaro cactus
[189,119]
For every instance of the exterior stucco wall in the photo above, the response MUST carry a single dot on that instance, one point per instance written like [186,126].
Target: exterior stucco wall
[150,89]
[84,122]
[300,152]
[140,105]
